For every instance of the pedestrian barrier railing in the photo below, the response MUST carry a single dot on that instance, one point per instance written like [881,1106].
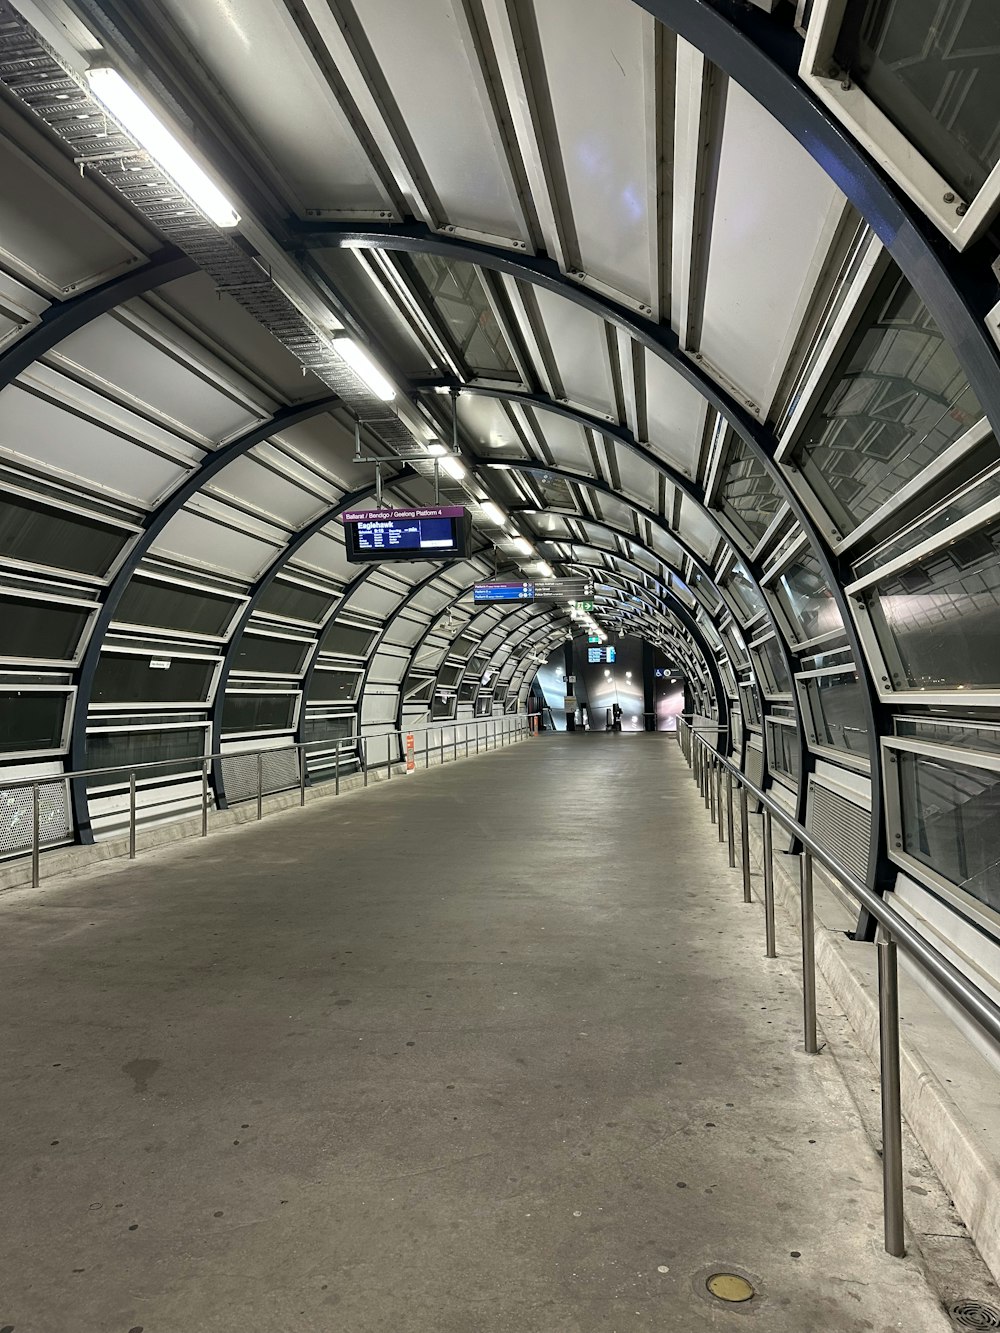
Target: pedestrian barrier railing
[441,739]
[713,772]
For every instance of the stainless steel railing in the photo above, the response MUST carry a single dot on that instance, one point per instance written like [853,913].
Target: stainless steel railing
[486,732]
[708,765]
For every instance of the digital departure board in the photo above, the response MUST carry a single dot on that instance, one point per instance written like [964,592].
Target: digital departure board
[600,654]
[503,592]
[439,532]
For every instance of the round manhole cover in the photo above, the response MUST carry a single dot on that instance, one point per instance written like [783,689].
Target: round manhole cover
[735,1289]
[975,1314]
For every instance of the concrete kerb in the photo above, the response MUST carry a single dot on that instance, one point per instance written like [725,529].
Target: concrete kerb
[69,859]
[965,1162]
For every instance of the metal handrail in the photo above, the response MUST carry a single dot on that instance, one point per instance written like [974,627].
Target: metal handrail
[895,929]
[355,743]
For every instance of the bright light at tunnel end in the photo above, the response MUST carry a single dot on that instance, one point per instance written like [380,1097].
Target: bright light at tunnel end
[149,132]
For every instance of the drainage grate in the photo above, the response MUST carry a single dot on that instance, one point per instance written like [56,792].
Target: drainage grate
[975,1314]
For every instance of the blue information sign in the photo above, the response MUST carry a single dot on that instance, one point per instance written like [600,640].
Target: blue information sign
[503,592]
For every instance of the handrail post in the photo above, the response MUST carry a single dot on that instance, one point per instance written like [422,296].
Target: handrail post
[302,774]
[745,843]
[770,951]
[730,833]
[808,954]
[364,757]
[706,772]
[711,790]
[336,771]
[388,754]
[36,834]
[718,802]
[454,741]
[465,735]
[260,784]
[477,735]
[204,798]
[131,816]
[892,1127]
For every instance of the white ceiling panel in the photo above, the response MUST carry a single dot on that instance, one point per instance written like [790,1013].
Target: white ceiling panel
[675,415]
[488,427]
[48,236]
[111,352]
[325,553]
[579,345]
[290,109]
[666,547]
[697,529]
[209,545]
[775,212]
[566,441]
[374,600]
[35,428]
[423,51]
[261,488]
[594,66]
[327,446]
[638,479]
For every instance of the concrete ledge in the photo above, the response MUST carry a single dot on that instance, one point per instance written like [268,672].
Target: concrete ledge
[955,1124]
[16,874]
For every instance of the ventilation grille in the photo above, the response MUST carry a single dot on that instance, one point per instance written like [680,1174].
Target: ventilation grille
[975,1314]
[54,824]
[841,826]
[279,770]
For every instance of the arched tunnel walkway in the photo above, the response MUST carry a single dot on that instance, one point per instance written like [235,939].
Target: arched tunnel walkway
[492,1048]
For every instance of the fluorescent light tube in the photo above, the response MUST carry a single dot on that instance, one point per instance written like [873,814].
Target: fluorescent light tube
[493,513]
[522,546]
[453,466]
[364,367]
[150,133]
[436,448]
[545,570]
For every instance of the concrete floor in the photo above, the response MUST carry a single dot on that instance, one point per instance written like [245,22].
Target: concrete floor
[492,1048]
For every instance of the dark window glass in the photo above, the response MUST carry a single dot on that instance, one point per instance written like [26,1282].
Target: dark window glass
[457,291]
[743,592]
[30,721]
[135,680]
[484,705]
[771,667]
[747,494]
[963,735]
[335,686]
[288,599]
[279,657]
[462,647]
[951,822]
[782,750]
[258,712]
[43,630]
[347,639]
[169,606]
[328,728]
[942,616]
[467,690]
[41,534]
[837,709]
[476,665]
[897,399]
[449,675]
[419,691]
[109,749]
[807,600]
[444,705]
[933,67]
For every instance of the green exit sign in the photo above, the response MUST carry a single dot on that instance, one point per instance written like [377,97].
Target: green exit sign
[583,606]
[593,638]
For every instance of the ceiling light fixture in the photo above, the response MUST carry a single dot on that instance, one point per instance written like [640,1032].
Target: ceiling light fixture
[453,466]
[522,546]
[364,367]
[493,513]
[149,132]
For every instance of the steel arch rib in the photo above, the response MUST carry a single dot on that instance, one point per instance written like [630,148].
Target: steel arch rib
[66,317]
[156,521]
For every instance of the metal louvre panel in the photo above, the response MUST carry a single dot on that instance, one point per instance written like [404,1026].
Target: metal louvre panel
[279,772]
[840,825]
[754,769]
[54,823]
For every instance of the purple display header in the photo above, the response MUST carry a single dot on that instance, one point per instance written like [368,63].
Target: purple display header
[385,515]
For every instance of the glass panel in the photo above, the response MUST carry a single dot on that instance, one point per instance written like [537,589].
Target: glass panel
[782,750]
[740,588]
[484,705]
[443,706]
[965,735]
[44,630]
[896,400]
[41,534]
[347,639]
[933,68]
[149,602]
[960,505]
[837,708]
[463,647]
[457,292]
[449,675]
[734,647]
[951,822]
[278,657]
[258,712]
[136,680]
[31,721]
[943,616]
[287,599]
[467,691]
[704,589]
[328,728]
[335,686]
[747,494]
[807,600]
[771,667]
[109,749]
